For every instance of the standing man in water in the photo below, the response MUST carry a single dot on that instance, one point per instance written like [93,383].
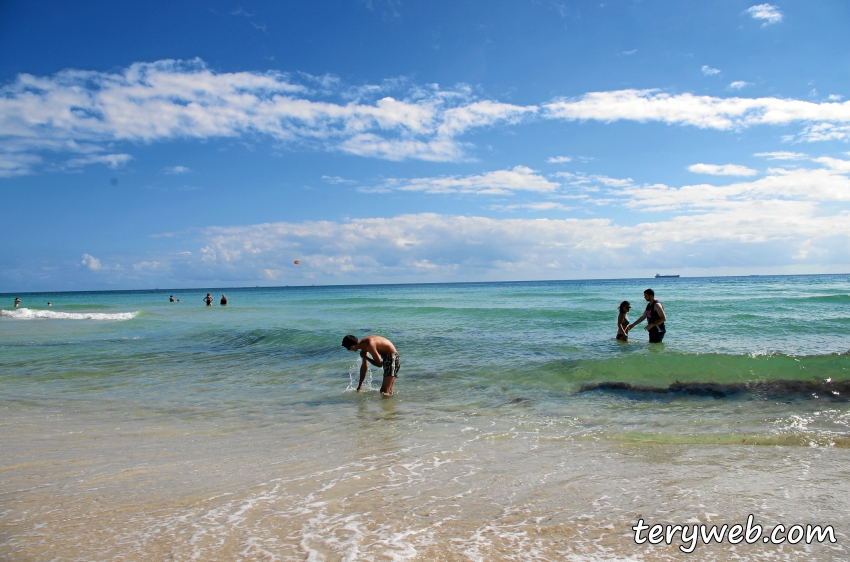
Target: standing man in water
[208,299]
[654,316]
[383,354]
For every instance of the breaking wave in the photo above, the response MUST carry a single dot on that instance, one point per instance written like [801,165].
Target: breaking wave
[27,314]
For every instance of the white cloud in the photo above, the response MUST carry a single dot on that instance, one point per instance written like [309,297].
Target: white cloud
[737,85]
[500,182]
[146,266]
[336,180]
[834,97]
[836,164]
[474,247]
[173,170]
[708,71]
[824,132]
[722,170]
[688,109]
[809,186]
[91,262]
[766,12]
[542,206]
[581,179]
[629,53]
[169,99]
[112,160]
[17,163]
[559,159]
[84,113]
[781,155]
[788,217]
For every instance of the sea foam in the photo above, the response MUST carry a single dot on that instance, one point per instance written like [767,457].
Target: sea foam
[27,314]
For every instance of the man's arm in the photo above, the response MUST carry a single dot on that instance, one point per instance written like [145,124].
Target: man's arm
[364,367]
[638,321]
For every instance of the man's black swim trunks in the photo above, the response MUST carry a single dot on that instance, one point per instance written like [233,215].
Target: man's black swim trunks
[392,363]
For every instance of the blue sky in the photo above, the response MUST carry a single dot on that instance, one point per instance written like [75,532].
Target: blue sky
[195,144]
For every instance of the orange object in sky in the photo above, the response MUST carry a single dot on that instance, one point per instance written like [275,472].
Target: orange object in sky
[297,262]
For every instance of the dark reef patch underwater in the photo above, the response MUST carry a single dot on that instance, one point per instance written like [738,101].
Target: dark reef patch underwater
[838,391]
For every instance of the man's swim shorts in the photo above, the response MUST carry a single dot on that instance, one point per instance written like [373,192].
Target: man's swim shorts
[392,363]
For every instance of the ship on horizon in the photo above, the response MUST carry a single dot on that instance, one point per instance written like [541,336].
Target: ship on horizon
[659,276]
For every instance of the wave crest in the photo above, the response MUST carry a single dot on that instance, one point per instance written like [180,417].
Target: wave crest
[27,314]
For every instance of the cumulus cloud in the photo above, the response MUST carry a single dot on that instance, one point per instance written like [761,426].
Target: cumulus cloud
[836,164]
[500,182]
[708,71]
[722,170]
[559,159]
[737,85]
[439,247]
[91,262]
[834,97]
[786,217]
[768,13]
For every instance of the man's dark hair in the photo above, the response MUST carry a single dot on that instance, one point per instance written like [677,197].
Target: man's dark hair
[349,340]
[649,292]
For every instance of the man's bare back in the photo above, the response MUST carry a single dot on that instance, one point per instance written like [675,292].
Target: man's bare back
[380,352]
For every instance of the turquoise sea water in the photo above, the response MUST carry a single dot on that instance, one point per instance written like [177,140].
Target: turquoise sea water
[497,379]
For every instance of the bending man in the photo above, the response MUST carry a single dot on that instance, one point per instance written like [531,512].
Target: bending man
[383,354]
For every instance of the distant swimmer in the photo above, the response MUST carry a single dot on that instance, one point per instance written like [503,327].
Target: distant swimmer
[17,302]
[223,300]
[654,316]
[170,298]
[623,321]
[383,354]
[208,299]
[48,303]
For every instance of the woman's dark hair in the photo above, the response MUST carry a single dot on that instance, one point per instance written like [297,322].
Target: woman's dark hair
[623,306]
[349,340]
[649,292]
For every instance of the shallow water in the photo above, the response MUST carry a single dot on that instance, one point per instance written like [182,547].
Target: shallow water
[186,432]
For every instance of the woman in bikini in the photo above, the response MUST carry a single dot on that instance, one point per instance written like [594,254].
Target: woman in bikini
[623,321]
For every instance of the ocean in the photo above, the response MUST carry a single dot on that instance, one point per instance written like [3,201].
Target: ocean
[132,428]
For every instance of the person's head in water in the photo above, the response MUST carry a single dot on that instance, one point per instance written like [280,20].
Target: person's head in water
[649,295]
[625,306]
[349,341]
